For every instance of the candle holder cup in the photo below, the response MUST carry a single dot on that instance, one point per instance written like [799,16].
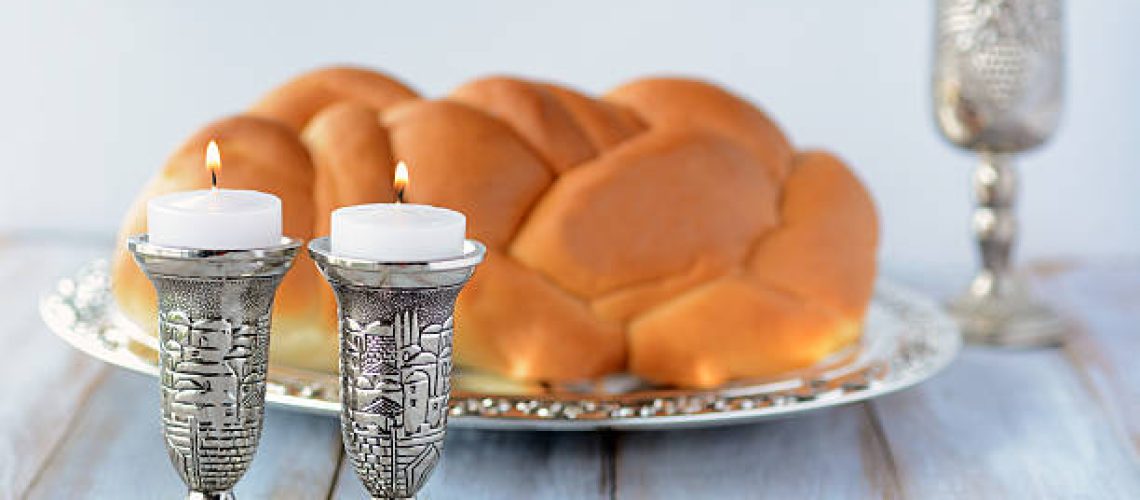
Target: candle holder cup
[395,361]
[213,328]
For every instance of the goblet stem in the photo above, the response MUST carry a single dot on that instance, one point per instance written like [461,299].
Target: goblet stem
[997,309]
[994,223]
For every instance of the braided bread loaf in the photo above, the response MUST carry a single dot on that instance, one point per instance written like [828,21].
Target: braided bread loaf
[668,229]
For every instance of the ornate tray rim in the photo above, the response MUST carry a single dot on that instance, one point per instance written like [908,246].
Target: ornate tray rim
[80,311]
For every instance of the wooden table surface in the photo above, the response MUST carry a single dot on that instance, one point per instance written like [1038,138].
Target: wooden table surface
[1062,423]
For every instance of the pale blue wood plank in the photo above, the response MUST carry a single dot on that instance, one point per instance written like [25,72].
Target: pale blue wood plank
[298,458]
[115,451]
[1104,303]
[1006,424]
[835,453]
[502,464]
[42,380]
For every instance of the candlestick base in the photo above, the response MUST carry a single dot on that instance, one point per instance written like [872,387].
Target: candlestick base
[213,328]
[395,362]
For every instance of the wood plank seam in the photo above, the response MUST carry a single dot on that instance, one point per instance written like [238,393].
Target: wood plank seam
[336,474]
[893,486]
[62,438]
[607,485]
[1085,352]
[1081,350]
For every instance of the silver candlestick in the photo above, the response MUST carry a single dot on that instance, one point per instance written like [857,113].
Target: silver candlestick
[998,78]
[395,362]
[213,330]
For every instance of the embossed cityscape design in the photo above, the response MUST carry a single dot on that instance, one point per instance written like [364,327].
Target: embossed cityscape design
[213,396]
[396,385]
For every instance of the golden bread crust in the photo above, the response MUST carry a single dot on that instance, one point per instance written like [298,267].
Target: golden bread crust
[465,159]
[352,159]
[300,99]
[731,328]
[684,103]
[826,213]
[682,194]
[534,113]
[513,320]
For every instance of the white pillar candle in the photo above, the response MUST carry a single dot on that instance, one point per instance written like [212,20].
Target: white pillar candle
[397,232]
[218,219]
[215,219]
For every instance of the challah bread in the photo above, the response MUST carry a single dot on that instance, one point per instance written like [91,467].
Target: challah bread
[668,229]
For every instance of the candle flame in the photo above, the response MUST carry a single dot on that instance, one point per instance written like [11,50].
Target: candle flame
[400,183]
[213,162]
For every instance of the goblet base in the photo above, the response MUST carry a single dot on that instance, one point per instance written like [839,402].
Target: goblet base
[1012,319]
[210,495]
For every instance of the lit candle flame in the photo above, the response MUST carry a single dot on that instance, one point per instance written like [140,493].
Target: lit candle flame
[213,163]
[400,183]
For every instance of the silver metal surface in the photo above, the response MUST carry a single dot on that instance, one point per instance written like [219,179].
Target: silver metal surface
[998,82]
[213,352]
[198,495]
[396,332]
[906,339]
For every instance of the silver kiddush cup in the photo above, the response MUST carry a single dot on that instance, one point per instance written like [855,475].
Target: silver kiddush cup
[395,361]
[998,88]
[213,331]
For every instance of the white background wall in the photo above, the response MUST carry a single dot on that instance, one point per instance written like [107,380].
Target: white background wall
[94,95]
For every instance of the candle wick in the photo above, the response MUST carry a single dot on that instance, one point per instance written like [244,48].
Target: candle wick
[399,195]
[213,180]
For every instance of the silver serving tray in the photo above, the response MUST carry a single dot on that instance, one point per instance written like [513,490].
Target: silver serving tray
[906,339]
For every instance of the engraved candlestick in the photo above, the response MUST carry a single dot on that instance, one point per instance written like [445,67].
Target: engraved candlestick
[213,328]
[998,78]
[395,362]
